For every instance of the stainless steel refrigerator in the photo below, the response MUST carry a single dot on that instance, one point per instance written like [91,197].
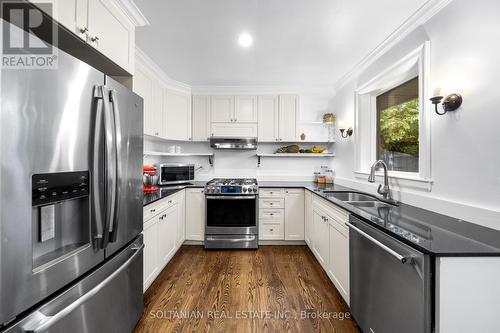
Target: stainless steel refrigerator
[71,201]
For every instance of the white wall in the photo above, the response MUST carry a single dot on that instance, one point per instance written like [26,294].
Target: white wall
[464,145]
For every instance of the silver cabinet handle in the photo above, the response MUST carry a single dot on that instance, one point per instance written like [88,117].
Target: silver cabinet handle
[94,39]
[84,30]
[47,321]
[396,255]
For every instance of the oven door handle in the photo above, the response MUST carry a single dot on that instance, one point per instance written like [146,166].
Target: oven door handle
[396,255]
[231,240]
[230,197]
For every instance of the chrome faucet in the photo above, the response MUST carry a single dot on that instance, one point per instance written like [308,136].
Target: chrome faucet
[384,191]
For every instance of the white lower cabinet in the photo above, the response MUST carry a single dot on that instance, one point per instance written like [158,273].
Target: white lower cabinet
[195,214]
[338,265]
[307,217]
[151,262]
[163,234]
[320,237]
[281,214]
[329,240]
[294,214]
[168,233]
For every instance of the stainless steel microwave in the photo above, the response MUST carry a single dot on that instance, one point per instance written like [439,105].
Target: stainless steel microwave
[175,173]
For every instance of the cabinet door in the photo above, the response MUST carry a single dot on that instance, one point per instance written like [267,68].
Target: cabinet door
[222,110]
[245,109]
[168,234]
[288,109]
[320,238]
[151,259]
[158,117]
[234,130]
[307,217]
[201,118]
[111,33]
[143,86]
[294,214]
[338,267]
[181,220]
[177,109]
[195,214]
[268,118]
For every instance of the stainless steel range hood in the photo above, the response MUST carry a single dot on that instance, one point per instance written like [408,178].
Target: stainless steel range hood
[233,143]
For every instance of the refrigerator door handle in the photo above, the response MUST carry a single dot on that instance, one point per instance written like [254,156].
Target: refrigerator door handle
[111,160]
[96,195]
[118,145]
[45,322]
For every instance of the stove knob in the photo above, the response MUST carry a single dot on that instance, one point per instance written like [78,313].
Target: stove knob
[217,190]
[245,189]
[255,190]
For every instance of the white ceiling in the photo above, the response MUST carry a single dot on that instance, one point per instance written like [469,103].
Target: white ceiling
[296,42]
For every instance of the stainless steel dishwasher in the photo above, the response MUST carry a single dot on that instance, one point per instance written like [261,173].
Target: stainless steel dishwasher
[390,282]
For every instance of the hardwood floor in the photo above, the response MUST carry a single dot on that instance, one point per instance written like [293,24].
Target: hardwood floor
[273,289]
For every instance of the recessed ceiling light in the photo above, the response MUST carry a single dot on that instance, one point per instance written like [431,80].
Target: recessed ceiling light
[245,39]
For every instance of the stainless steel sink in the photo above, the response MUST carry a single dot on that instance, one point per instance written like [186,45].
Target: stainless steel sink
[350,196]
[370,204]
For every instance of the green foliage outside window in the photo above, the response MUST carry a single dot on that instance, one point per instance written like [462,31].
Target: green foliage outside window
[399,128]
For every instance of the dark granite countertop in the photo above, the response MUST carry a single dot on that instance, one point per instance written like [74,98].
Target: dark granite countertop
[429,232]
[165,191]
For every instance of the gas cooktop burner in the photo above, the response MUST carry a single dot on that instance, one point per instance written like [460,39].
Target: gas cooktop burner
[232,186]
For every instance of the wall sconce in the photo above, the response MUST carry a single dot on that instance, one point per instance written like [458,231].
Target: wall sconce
[345,132]
[450,103]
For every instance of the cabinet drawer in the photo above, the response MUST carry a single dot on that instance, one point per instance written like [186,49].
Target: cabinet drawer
[271,192]
[272,203]
[155,208]
[271,231]
[271,214]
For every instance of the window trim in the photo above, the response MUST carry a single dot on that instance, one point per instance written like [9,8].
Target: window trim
[416,63]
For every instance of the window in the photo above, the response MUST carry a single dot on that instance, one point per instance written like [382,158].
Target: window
[398,127]
[392,120]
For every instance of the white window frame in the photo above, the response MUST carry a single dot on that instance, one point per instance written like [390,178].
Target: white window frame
[414,64]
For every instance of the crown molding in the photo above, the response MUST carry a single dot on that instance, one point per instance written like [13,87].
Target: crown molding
[143,59]
[420,17]
[263,89]
[132,12]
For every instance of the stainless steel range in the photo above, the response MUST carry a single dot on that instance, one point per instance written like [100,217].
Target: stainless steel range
[231,214]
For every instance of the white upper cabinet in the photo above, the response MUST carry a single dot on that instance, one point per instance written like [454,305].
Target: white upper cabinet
[268,118]
[222,110]
[245,109]
[111,33]
[234,130]
[177,111]
[201,118]
[102,24]
[143,86]
[288,108]
[294,214]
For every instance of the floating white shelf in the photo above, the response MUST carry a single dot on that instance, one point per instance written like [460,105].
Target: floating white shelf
[299,155]
[159,153]
[299,141]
